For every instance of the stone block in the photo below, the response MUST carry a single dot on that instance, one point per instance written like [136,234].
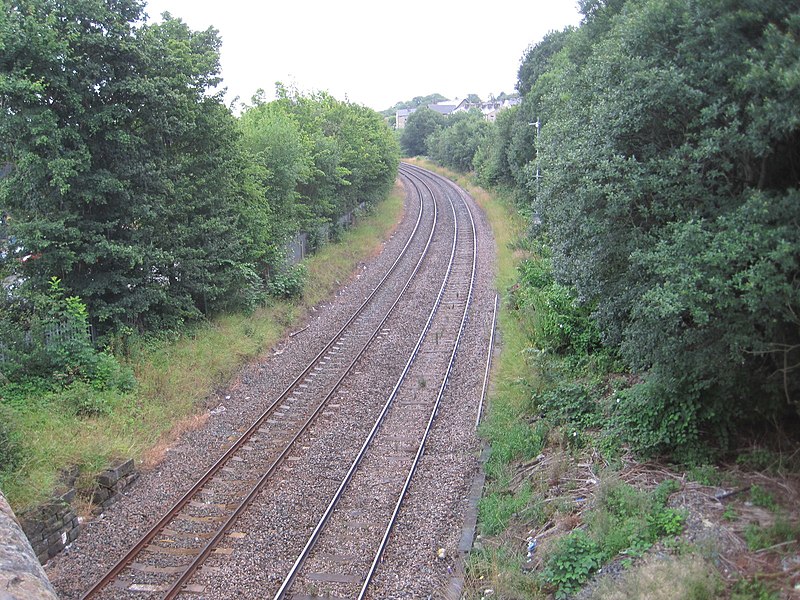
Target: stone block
[100,495]
[124,468]
[107,479]
[73,534]
[32,528]
[55,549]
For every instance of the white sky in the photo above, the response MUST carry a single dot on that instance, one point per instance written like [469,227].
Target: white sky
[371,52]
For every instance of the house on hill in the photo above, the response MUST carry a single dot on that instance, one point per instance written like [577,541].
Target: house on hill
[488,109]
[443,108]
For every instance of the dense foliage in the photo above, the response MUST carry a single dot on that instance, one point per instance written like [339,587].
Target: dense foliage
[669,155]
[420,125]
[128,179]
[455,145]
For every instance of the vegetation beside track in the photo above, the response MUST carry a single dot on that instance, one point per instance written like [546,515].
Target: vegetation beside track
[82,429]
[567,508]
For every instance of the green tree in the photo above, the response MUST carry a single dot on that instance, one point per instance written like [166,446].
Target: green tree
[121,184]
[456,144]
[314,159]
[420,125]
[669,155]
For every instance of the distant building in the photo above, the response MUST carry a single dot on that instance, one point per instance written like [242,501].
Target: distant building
[402,116]
[448,107]
[490,108]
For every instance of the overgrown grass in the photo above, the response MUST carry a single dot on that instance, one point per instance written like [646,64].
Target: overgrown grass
[496,572]
[174,377]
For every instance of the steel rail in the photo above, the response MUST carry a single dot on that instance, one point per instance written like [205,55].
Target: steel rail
[168,517]
[198,560]
[488,363]
[421,449]
[300,560]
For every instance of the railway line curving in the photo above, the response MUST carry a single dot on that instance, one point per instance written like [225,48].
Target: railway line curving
[255,525]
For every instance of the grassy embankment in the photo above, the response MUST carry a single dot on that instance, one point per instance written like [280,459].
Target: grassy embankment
[174,377]
[565,501]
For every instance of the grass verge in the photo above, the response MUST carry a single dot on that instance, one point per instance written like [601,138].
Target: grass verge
[174,377]
[567,509]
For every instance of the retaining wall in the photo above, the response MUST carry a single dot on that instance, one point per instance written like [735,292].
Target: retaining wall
[21,575]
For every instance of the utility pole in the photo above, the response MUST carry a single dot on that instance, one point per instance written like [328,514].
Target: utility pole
[538,125]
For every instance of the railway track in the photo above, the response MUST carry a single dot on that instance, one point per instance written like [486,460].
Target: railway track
[165,560]
[334,562]
[172,550]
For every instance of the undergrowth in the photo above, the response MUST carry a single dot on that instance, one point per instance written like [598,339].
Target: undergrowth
[564,417]
[99,414]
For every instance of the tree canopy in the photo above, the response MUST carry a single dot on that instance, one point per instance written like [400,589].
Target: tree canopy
[129,179]
[669,154]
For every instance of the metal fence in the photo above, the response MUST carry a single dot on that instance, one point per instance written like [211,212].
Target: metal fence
[54,335]
[298,248]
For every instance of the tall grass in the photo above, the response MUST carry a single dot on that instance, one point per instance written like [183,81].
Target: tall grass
[175,376]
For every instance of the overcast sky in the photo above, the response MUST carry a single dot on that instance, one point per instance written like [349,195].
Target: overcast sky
[371,52]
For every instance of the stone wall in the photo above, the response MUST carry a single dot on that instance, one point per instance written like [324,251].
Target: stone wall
[51,526]
[54,525]
[21,575]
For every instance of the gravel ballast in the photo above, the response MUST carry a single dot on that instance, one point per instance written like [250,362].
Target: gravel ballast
[422,556]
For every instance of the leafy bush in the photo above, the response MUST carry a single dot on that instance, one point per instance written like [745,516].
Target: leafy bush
[569,403]
[49,348]
[104,372]
[761,497]
[288,283]
[655,420]
[86,400]
[575,558]
[559,323]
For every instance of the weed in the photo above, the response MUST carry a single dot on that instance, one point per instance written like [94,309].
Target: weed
[497,573]
[761,497]
[496,509]
[730,514]
[10,447]
[574,559]
[705,475]
[687,577]
[779,532]
[628,521]
[752,589]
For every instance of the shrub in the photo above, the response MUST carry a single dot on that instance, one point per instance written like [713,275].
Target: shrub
[571,563]
[559,323]
[654,421]
[86,400]
[288,283]
[104,372]
[569,403]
